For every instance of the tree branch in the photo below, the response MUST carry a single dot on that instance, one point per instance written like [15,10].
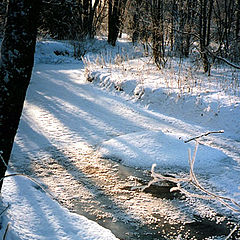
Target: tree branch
[203,135]
[192,180]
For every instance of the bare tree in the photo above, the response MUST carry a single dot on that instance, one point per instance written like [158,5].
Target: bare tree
[71,19]
[16,62]
[89,11]
[115,11]
[226,15]
[158,44]
[205,17]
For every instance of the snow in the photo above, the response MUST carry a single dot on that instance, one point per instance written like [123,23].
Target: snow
[54,52]
[143,149]
[205,104]
[34,215]
[170,154]
[131,113]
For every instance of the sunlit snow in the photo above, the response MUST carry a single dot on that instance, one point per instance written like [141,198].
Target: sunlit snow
[128,115]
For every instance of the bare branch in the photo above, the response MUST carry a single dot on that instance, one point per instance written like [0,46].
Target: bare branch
[222,59]
[213,54]
[192,180]
[4,210]
[231,233]
[5,234]
[203,135]
[31,179]
[1,158]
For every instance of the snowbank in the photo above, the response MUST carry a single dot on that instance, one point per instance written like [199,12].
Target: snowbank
[212,102]
[54,52]
[143,149]
[34,215]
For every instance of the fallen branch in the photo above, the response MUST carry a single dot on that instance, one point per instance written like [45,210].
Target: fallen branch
[231,233]
[222,59]
[28,177]
[192,180]
[210,52]
[3,160]
[203,135]
[5,233]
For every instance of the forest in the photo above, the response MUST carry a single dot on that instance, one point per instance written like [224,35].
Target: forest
[119,119]
[169,28]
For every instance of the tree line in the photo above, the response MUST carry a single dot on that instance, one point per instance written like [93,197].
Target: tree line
[168,27]
[180,27]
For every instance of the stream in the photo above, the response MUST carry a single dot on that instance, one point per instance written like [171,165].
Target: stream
[111,194]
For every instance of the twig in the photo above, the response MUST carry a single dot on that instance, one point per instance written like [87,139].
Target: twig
[4,209]
[5,234]
[3,160]
[192,180]
[203,135]
[213,54]
[23,175]
[231,233]
[31,179]
[222,59]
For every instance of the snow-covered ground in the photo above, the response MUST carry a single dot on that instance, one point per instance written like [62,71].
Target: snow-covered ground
[187,99]
[32,214]
[130,112]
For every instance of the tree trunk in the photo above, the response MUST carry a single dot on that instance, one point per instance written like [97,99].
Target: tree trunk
[158,33]
[203,34]
[238,22]
[115,11]
[189,24]
[173,13]
[113,21]
[136,27]
[91,27]
[86,13]
[16,62]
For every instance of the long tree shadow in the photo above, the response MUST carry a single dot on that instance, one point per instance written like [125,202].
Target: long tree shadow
[126,225]
[120,228]
[96,104]
[101,110]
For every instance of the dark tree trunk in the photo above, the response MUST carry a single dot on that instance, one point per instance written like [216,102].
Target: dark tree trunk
[158,33]
[115,11]
[189,24]
[16,62]
[113,21]
[238,22]
[87,25]
[173,12]
[3,6]
[205,17]
[209,21]
[136,18]
[91,30]
[179,35]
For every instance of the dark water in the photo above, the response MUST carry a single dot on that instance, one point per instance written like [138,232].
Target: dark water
[198,228]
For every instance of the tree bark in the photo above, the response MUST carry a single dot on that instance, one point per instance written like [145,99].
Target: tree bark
[158,33]
[204,32]
[115,11]
[238,22]
[16,63]
[136,18]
